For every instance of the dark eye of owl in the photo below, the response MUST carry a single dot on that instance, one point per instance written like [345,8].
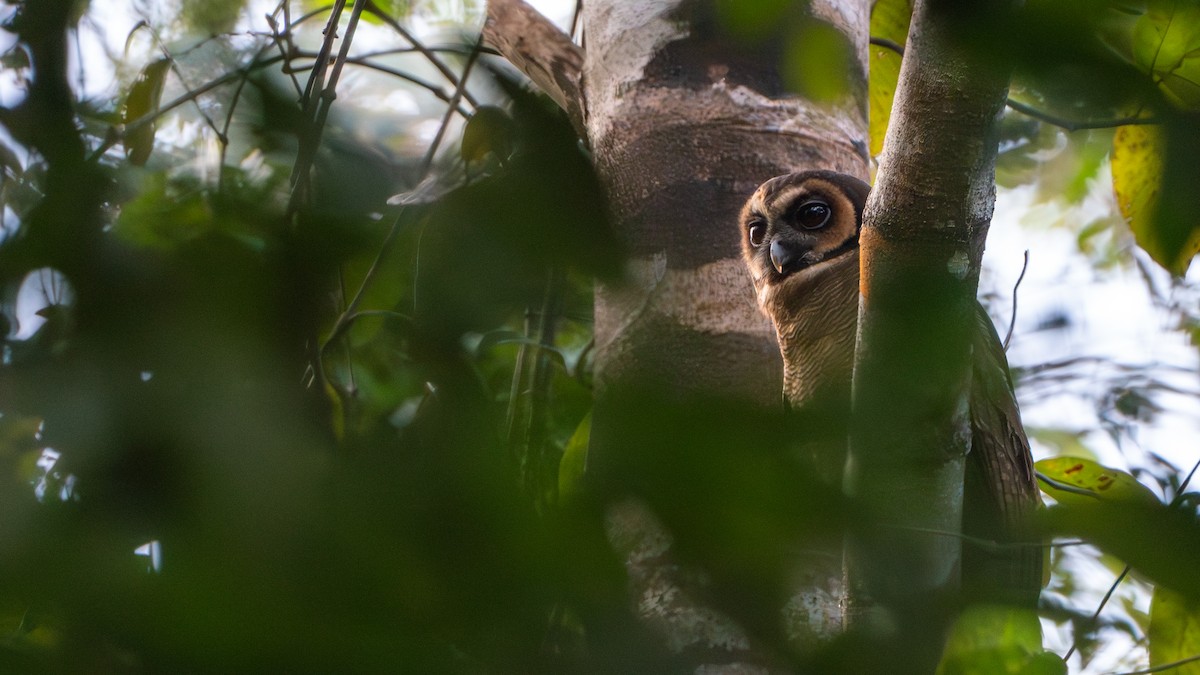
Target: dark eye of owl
[813,215]
[758,230]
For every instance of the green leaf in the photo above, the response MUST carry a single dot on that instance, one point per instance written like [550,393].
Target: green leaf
[573,465]
[818,61]
[211,17]
[164,215]
[889,20]
[1159,542]
[1174,631]
[1166,44]
[379,12]
[1137,169]
[143,100]
[751,19]
[996,639]
[1090,481]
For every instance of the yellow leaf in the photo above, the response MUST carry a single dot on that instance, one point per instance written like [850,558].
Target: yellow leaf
[1137,169]
[889,21]
[1082,480]
[1174,631]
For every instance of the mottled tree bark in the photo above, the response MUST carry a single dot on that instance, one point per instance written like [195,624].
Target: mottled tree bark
[684,124]
[921,245]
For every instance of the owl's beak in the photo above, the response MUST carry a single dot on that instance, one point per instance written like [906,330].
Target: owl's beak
[784,257]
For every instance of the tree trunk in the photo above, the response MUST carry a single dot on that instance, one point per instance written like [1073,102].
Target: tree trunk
[684,123]
[921,245]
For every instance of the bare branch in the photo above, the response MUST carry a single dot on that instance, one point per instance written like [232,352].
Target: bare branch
[541,51]
[1012,322]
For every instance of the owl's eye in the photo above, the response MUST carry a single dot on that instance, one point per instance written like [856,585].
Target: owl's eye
[813,215]
[758,230]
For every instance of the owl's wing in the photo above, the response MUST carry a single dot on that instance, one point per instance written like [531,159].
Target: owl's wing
[1001,490]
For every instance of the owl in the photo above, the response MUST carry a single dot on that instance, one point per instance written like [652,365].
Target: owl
[799,238]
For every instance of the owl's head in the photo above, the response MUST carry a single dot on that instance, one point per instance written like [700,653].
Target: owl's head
[795,225]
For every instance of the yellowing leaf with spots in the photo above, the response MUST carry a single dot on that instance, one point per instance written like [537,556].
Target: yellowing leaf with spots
[889,21]
[1137,170]
[1174,631]
[1077,480]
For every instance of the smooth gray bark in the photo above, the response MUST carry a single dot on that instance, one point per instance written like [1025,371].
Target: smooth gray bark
[921,245]
[684,124]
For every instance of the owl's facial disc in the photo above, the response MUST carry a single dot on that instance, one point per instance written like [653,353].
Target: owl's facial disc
[793,225]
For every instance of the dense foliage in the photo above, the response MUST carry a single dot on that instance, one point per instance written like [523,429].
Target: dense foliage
[291,386]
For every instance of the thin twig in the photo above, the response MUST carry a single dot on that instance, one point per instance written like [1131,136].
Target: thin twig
[1012,322]
[153,116]
[1078,125]
[173,64]
[1104,601]
[351,312]
[888,44]
[1065,487]
[241,73]
[352,386]
[283,41]
[1025,109]
[989,545]
[426,52]
[317,98]
[1179,494]
[1163,667]
[459,92]
[540,395]
[316,79]
[575,18]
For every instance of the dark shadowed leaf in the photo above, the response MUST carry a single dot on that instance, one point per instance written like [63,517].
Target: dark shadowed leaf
[489,131]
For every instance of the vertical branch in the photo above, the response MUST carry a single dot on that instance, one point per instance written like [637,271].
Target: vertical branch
[64,229]
[922,241]
[318,96]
